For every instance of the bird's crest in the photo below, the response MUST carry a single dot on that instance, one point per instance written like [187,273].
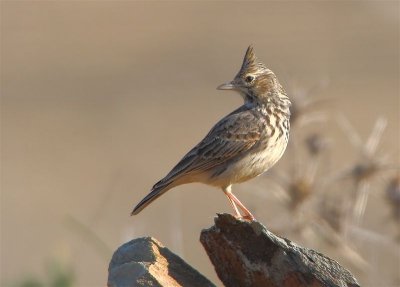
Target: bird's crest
[251,62]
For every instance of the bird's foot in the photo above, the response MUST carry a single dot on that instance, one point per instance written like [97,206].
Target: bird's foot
[248,217]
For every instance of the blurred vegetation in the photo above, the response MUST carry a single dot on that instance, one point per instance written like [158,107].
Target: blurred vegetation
[326,206]
[57,275]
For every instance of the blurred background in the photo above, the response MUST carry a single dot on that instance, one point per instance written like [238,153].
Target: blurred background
[99,99]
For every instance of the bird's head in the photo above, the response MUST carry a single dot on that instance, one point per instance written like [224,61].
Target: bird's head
[254,81]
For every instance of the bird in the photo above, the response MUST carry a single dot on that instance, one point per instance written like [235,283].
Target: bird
[243,144]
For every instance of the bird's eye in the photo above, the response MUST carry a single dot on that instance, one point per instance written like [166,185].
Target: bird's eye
[249,79]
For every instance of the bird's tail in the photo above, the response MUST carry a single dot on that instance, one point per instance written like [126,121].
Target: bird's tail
[158,189]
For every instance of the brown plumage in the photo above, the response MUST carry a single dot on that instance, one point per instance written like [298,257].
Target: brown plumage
[243,144]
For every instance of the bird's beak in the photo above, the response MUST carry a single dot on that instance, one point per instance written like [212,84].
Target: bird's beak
[227,86]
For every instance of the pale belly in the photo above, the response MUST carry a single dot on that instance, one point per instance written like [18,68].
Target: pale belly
[249,166]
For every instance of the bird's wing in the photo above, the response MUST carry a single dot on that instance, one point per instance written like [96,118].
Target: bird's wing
[230,137]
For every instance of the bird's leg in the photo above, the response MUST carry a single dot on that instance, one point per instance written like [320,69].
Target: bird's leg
[247,213]
[228,194]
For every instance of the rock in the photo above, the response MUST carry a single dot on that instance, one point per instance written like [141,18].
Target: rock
[247,254]
[145,262]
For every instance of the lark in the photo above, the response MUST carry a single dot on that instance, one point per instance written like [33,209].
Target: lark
[242,145]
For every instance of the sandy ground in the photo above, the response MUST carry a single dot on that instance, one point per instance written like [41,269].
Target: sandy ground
[100,100]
